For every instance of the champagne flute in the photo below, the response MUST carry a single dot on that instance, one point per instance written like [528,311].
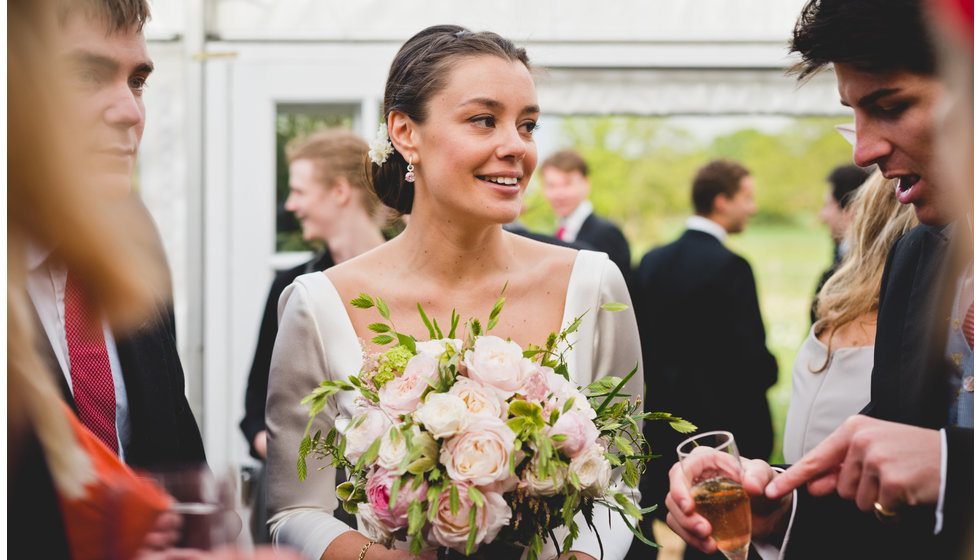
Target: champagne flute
[713,471]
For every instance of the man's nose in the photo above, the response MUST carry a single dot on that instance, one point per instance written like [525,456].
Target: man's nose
[125,107]
[871,145]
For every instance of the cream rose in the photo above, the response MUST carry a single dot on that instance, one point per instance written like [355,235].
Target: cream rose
[548,486]
[392,450]
[402,394]
[593,471]
[454,530]
[360,434]
[579,431]
[499,364]
[442,414]
[480,455]
[479,400]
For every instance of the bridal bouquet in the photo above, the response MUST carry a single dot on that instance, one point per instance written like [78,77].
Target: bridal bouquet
[461,442]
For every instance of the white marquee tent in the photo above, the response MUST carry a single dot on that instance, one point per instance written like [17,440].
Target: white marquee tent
[224,68]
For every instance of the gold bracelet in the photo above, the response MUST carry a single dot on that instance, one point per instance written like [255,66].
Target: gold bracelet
[364,549]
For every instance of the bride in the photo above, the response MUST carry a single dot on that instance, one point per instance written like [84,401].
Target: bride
[461,112]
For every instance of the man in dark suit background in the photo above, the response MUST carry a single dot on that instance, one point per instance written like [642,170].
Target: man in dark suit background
[566,186]
[704,343]
[842,182]
[126,387]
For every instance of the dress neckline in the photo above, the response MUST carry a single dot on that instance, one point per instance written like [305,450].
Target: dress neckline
[335,304]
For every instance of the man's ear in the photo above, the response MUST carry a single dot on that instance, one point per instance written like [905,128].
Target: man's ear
[719,206]
[341,191]
[401,130]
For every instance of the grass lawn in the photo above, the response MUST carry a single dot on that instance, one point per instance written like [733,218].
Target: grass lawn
[787,261]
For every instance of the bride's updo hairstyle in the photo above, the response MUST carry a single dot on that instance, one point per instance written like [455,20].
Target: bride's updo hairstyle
[420,70]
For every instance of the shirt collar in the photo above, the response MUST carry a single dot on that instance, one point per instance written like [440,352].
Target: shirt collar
[578,216]
[700,223]
[37,254]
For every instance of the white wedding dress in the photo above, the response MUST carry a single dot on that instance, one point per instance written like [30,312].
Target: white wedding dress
[316,341]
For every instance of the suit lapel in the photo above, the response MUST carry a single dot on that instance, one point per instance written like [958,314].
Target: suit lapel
[922,331]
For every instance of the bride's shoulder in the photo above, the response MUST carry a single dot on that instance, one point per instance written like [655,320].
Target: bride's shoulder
[545,255]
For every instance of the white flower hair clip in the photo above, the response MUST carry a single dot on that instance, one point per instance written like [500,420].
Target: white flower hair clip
[381,147]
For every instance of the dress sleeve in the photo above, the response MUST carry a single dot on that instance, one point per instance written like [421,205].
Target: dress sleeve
[300,512]
[616,351]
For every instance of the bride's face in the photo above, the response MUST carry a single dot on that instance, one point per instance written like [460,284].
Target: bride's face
[476,147]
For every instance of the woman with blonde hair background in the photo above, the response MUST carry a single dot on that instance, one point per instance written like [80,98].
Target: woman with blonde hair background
[832,372]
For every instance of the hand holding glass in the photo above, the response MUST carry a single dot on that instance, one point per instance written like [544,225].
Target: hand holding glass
[713,471]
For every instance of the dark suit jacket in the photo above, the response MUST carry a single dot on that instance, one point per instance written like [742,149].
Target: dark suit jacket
[258,376]
[704,349]
[605,236]
[164,431]
[909,384]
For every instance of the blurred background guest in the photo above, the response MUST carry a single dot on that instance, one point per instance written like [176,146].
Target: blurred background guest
[832,372]
[328,192]
[836,213]
[566,186]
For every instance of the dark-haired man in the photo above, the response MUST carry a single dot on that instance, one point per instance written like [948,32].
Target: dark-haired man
[127,387]
[896,481]
[704,342]
[842,182]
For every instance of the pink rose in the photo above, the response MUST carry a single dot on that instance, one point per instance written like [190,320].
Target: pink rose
[480,454]
[479,399]
[403,393]
[499,364]
[360,434]
[580,433]
[393,516]
[453,530]
[536,386]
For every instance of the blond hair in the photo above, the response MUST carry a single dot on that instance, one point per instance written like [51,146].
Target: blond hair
[878,221]
[335,153]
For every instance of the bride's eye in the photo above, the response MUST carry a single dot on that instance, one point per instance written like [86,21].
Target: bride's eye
[529,127]
[486,121]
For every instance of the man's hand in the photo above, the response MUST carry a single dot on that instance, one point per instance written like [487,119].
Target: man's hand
[695,529]
[869,460]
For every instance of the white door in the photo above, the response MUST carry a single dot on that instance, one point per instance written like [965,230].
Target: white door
[248,87]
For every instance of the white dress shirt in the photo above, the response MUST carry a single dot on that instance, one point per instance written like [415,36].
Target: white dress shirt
[46,286]
[573,223]
[700,223]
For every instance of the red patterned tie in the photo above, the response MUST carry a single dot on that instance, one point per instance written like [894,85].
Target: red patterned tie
[560,234]
[968,326]
[91,374]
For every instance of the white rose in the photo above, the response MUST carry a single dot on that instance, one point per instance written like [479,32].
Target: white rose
[436,348]
[479,400]
[562,390]
[593,471]
[364,432]
[499,364]
[392,450]
[442,414]
[371,525]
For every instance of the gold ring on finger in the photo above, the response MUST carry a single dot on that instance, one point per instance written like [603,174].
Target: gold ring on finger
[885,515]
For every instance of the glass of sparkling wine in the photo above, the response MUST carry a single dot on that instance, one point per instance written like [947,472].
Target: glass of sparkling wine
[713,471]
